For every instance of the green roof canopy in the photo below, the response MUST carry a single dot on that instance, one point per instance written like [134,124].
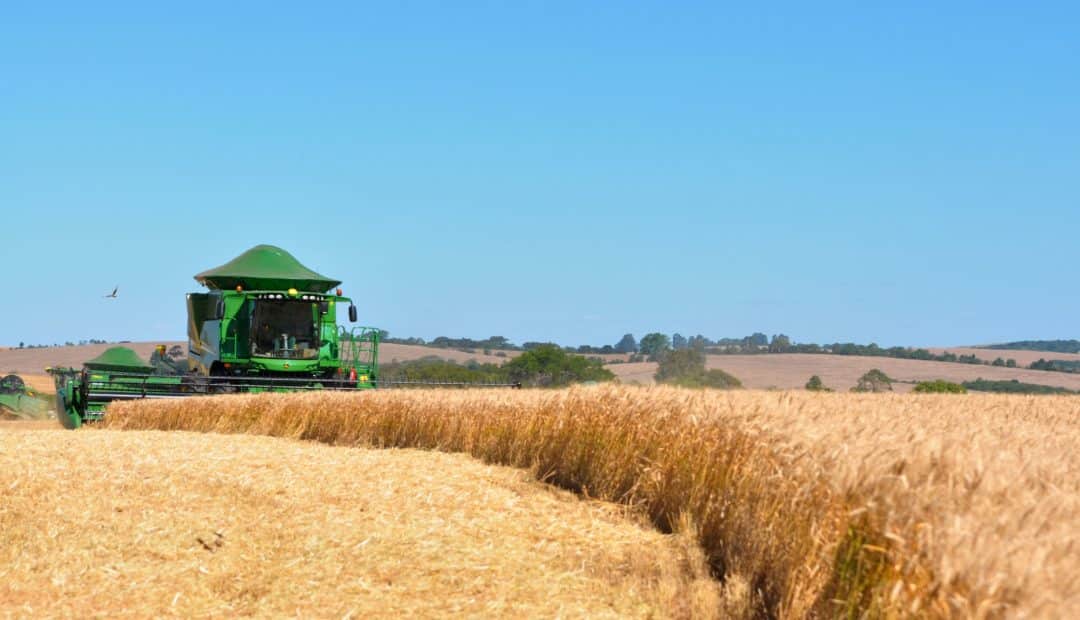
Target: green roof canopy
[119,358]
[267,268]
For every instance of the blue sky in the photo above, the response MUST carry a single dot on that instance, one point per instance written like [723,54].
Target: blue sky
[571,171]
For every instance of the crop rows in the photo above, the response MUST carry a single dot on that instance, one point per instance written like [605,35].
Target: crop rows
[812,504]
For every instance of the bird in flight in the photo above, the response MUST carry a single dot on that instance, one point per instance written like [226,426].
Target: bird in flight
[112,295]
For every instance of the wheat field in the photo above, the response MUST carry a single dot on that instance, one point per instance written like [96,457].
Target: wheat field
[146,524]
[813,504]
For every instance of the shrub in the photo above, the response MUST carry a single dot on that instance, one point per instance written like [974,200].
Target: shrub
[873,381]
[815,384]
[940,387]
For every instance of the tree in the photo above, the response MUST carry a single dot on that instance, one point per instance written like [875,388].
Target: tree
[678,364]
[699,342]
[678,341]
[627,344]
[499,342]
[21,346]
[1042,364]
[873,381]
[654,345]
[758,339]
[998,362]
[780,343]
[686,367]
[1010,363]
[550,366]
[815,384]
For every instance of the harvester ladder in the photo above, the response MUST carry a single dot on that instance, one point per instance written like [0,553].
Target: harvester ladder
[360,349]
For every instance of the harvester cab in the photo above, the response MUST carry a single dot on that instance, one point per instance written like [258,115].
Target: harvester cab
[266,323]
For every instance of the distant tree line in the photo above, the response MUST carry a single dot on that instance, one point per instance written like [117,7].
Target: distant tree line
[1052,346]
[1014,387]
[69,343]
[1056,365]
[544,366]
[653,346]
[444,342]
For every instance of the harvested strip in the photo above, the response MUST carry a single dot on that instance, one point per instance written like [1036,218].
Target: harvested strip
[139,524]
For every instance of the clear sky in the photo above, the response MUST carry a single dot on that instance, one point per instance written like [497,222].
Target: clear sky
[905,174]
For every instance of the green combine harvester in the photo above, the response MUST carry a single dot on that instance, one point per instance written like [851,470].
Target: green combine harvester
[18,401]
[266,323]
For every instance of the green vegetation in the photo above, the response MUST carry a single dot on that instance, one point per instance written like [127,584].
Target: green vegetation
[686,368]
[550,366]
[435,369]
[1014,387]
[1056,365]
[939,387]
[627,344]
[655,345]
[544,366]
[873,381]
[1052,346]
[815,384]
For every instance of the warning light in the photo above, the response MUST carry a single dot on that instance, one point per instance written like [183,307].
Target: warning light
[339,292]
[239,288]
[293,292]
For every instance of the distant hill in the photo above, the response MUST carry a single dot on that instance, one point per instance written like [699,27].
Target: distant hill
[790,371]
[1052,346]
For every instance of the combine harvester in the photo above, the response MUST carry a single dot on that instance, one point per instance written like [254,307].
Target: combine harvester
[18,401]
[267,324]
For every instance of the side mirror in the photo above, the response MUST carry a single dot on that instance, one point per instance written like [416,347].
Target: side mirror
[352,313]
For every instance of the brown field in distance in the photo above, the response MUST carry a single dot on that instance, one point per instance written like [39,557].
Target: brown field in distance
[1022,357]
[830,504]
[842,372]
[100,523]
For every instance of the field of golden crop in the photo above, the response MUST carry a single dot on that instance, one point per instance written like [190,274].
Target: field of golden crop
[812,504]
[110,524]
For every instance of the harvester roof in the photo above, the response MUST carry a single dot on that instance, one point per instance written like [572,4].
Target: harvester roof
[119,358]
[265,267]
